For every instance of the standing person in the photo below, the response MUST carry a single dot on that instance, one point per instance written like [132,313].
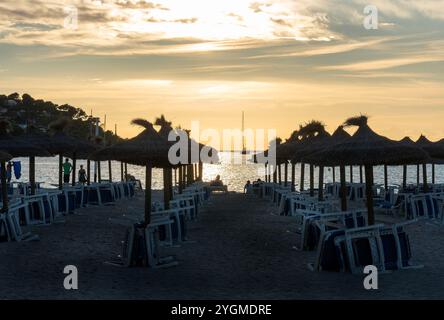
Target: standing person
[9,171]
[248,187]
[82,175]
[67,169]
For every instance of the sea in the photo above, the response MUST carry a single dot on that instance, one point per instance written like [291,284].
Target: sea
[234,169]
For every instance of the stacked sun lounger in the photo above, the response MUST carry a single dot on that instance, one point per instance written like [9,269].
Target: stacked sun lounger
[351,250]
[168,227]
[49,205]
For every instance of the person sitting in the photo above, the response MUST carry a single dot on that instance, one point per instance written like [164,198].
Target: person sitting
[217,182]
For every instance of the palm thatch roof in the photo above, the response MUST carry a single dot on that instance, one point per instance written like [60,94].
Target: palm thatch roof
[366,147]
[17,147]
[62,144]
[147,147]
[5,156]
[407,141]
[287,151]
[316,138]
[434,149]
[323,142]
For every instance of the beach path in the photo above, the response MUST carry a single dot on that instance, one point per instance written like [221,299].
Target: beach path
[239,248]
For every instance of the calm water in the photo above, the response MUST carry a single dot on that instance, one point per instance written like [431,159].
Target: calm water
[233,168]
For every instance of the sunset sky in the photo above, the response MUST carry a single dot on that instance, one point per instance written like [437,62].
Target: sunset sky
[283,62]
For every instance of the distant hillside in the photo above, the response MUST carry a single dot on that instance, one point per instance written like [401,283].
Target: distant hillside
[25,110]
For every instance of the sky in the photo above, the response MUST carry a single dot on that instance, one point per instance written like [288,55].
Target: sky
[283,62]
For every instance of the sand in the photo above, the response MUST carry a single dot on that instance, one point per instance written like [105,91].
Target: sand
[240,249]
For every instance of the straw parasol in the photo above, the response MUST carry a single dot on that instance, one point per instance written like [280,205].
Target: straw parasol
[311,133]
[435,150]
[148,149]
[16,147]
[66,146]
[409,142]
[37,138]
[367,148]
[164,132]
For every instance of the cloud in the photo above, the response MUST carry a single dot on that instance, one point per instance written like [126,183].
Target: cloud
[126,4]
[383,63]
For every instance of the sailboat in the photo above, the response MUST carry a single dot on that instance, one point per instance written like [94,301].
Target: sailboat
[244,149]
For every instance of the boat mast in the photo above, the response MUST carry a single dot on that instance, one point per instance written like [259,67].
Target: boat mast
[243,136]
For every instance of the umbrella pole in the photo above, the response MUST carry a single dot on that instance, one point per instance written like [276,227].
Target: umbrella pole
[200,171]
[95,171]
[32,174]
[166,189]
[265,173]
[280,174]
[433,173]
[321,184]
[369,192]
[88,168]
[121,171]
[417,175]
[110,172]
[286,173]
[293,176]
[311,180]
[99,172]
[301,187]
[274,174]
[189,174]
[74,163]
[4,187]
[424,177]
[361,178]
[148,180]
[343,190]
[180,178]
[170,183]
[334,174]
[404,176]
[385,178]
[60,172]
[126,171]
[351,174]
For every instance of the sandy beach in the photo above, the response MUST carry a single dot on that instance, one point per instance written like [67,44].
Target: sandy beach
[239,249]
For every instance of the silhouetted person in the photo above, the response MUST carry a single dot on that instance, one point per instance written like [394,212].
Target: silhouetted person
[247,187]
[9,172]
[67,169]
[82,175]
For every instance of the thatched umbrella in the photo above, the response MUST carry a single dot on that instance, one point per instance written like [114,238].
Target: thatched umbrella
[17,148]
[66,146]
[409,142]
[165,129]
[4,157]
[367,148]
[313,133]
[339,136]
[37,138]
[435,150]
[148,149]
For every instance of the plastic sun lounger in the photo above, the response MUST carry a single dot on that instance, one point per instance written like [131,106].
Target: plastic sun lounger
[386,247]
[13,228]
[313,224]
